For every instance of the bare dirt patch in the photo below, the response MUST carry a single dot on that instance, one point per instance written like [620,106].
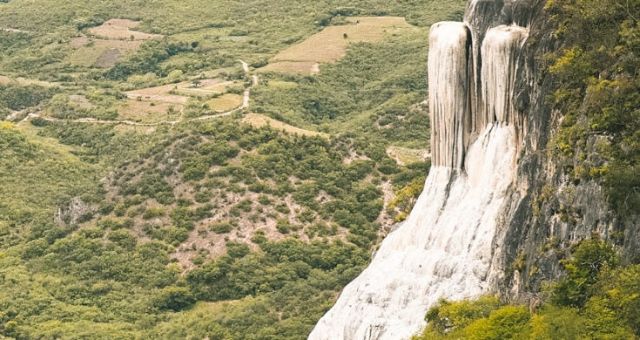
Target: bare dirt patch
[149,111]
[108,58]
[121,29]
[205,87]
[99,52]
[331,43]
[159,94]
[258,120]
[78,42]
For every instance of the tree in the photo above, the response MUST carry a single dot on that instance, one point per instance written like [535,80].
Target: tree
[174,298]
[589,258]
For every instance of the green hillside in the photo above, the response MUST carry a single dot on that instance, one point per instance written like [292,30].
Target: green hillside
[135,205]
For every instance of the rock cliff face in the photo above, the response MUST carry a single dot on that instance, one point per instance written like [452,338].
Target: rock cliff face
[497,214]
[548,211]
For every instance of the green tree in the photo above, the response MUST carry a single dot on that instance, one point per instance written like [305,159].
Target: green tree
[583,268]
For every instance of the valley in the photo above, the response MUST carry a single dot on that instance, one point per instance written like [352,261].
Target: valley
[203,174]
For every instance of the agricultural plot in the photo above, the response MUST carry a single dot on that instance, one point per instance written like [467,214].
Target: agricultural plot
[167,102]
[101,53]
[331,43]
[121,29]
[107,43]
[179,93]
[205,87]
[158,93]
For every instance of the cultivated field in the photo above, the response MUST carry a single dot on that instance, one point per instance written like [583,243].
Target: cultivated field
[205,87]
[121,29]
[107,43]
[158,93]
[331,43]
[100,52]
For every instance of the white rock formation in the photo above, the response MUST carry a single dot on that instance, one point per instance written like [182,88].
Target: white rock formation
[445,248]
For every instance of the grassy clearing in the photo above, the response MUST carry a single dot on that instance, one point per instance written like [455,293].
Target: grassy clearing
[4,80]
[149,111]
[226,102]
[282,84]
[291,67]
[205,87]
[258,121]
[405,156]
[179,93]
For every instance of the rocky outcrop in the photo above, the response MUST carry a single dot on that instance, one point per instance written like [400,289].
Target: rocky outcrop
[74,212]
[549,211]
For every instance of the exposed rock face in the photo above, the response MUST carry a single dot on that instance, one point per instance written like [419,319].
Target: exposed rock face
[74,212]
[547,211]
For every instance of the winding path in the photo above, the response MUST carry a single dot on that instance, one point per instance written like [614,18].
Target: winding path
[246,99]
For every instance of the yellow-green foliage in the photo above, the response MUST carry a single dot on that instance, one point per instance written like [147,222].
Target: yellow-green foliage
[450,316]
[405,199]
[594,301]
[557,323]
[508,322]
[36,177]
[484,318]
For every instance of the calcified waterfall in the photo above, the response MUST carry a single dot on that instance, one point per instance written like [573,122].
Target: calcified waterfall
[449,96]
[444,249]
[499,51]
